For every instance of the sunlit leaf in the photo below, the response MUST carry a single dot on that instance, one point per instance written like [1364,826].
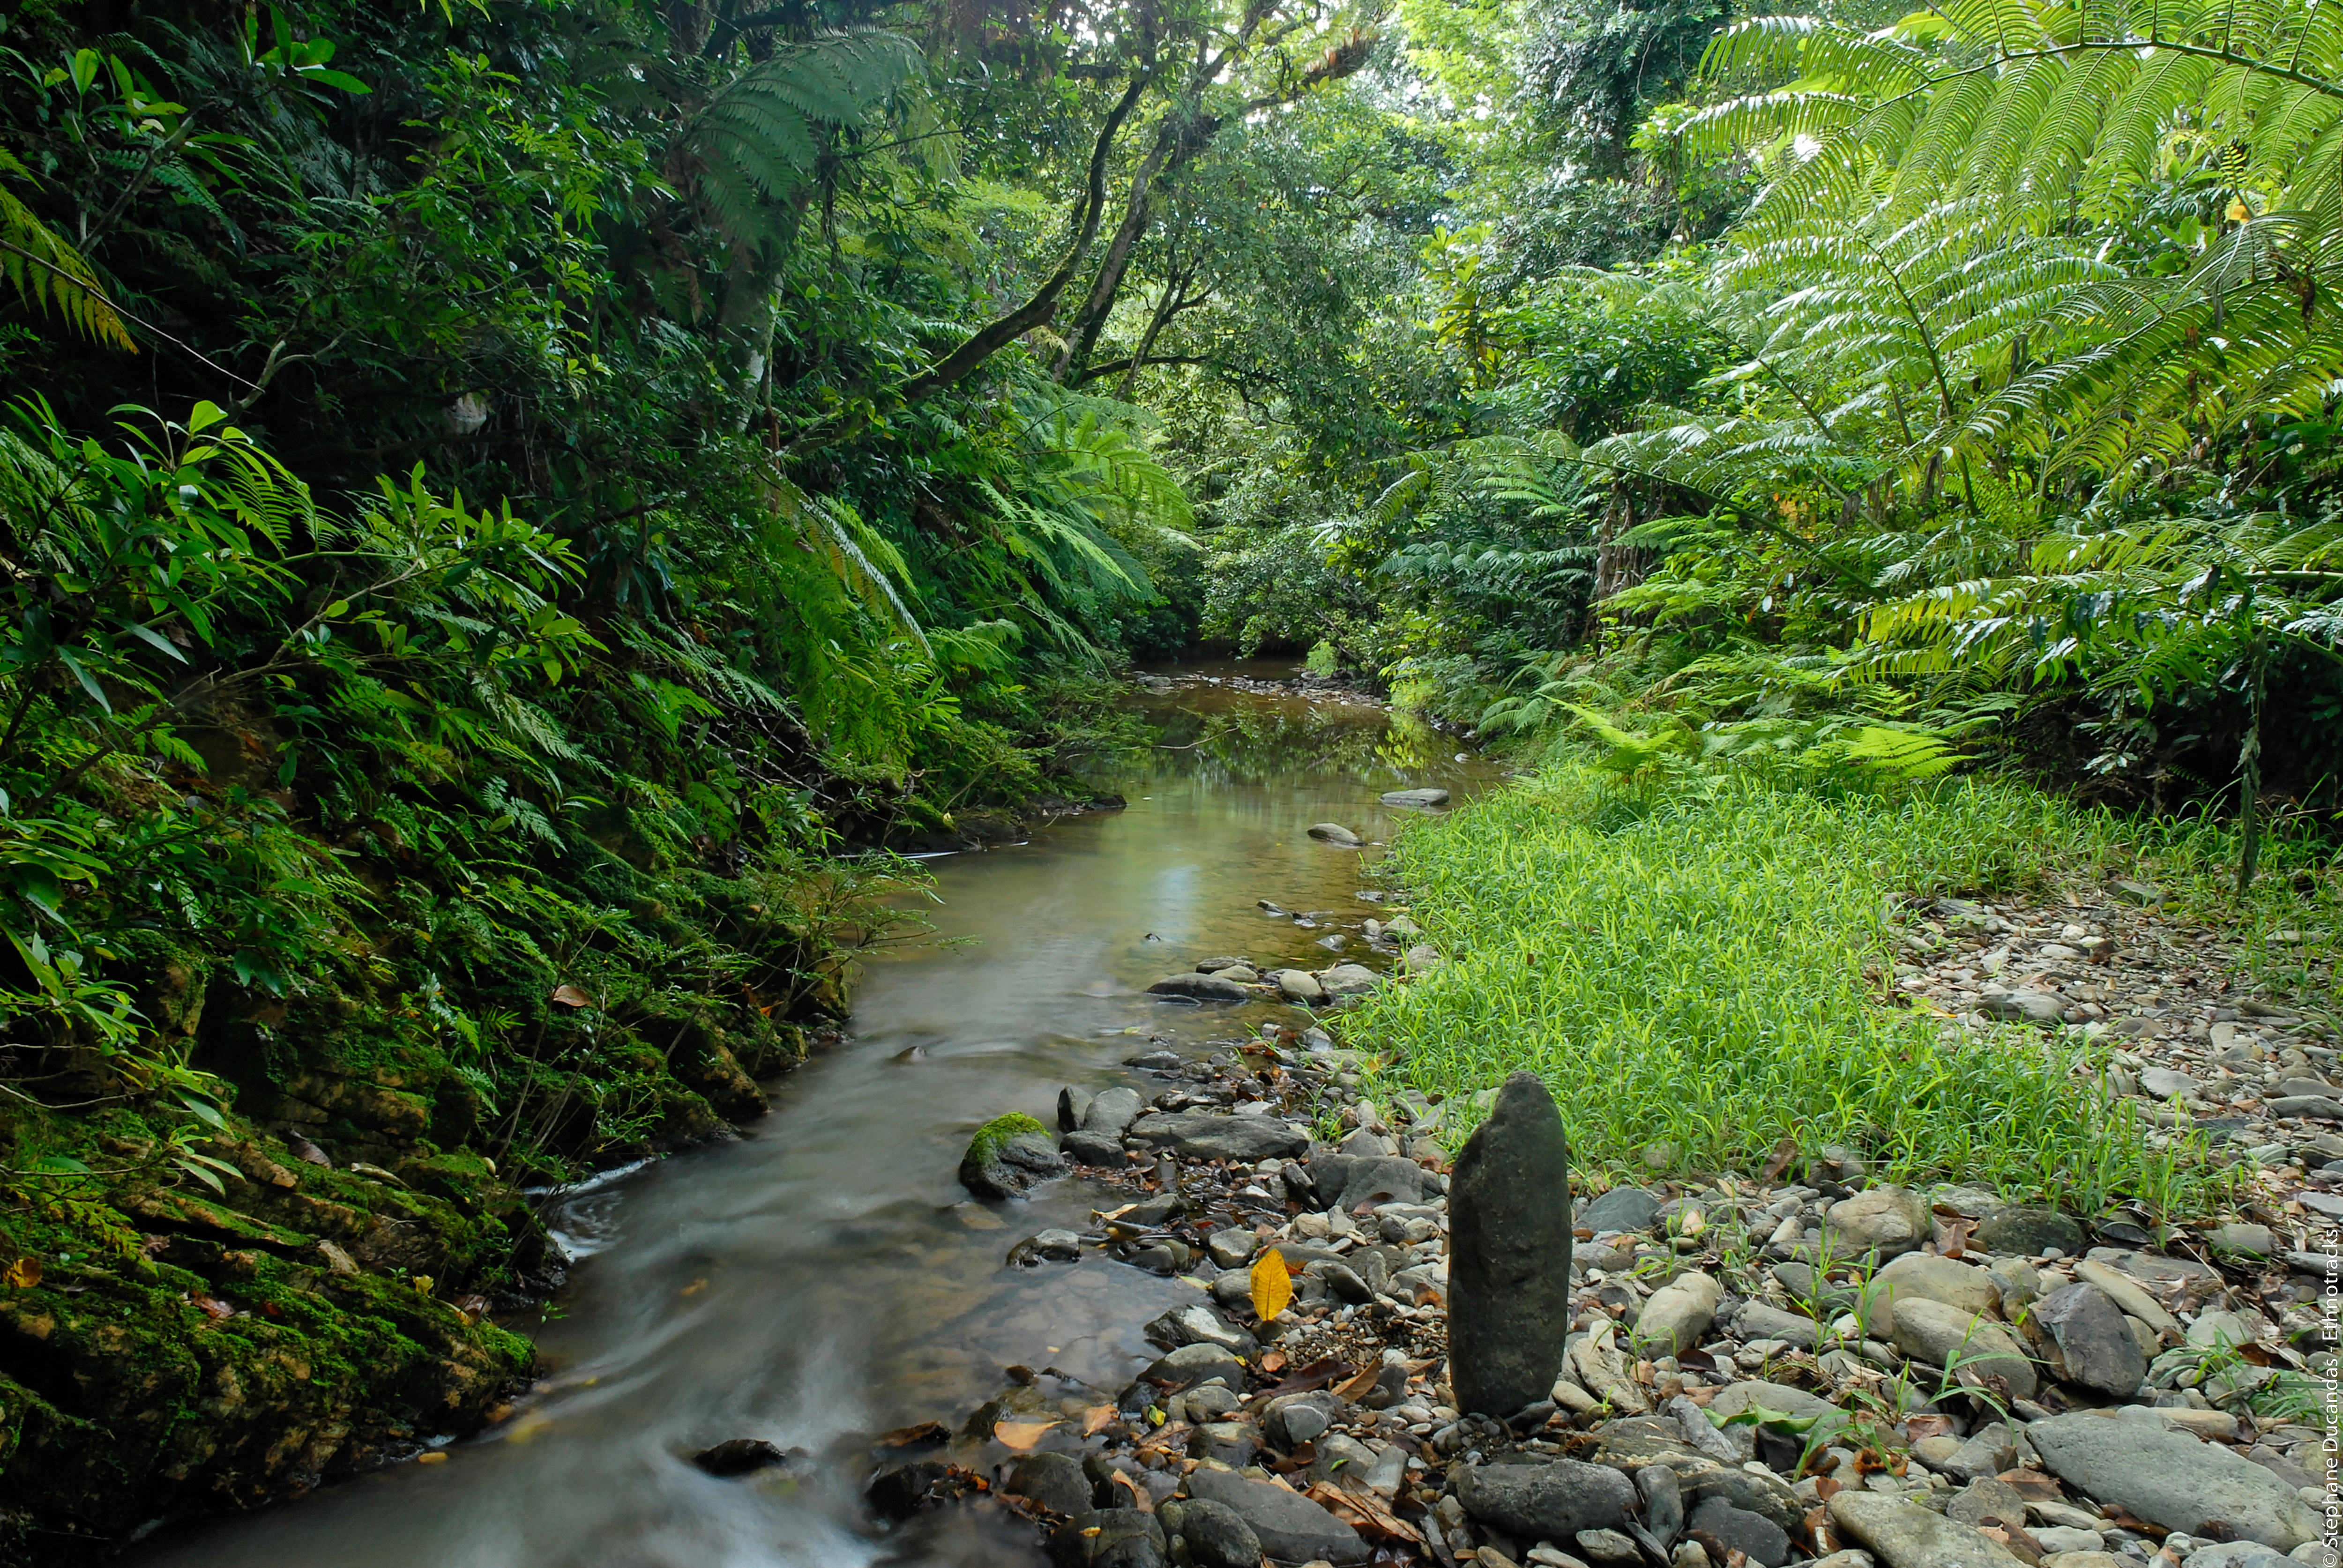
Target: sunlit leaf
[1021,1435]
[1272,1286]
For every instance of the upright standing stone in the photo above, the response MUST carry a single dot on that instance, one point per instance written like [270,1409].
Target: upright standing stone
[1509,1254]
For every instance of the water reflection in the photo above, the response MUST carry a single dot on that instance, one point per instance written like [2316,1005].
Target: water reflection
[826,1278]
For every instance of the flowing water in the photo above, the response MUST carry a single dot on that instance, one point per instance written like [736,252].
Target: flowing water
[826,1277]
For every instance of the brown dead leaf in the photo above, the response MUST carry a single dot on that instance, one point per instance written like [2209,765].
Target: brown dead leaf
[2034,1485]
[922,1435]
[209,1306]
[1953,1236]
[1363,1512]
[1096,1419]
[570,996]
[1021,1435]
[1920,1427]
[1779,1161]
[1272,1286]
[1273,1362]
[23,1273]
[1359,1387]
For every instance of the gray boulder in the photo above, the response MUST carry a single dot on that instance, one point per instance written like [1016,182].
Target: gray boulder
[1113,1112]
[1947,1336]
[1348,979]
[1110,1538]
[1417,798]
[1907,1535]
[2026,1231]
[1206,1135]
[1334,833]
[1887,1221]
[1208,1534]
[2171,1479]
[1298,985]
[1290,1527]
[2095,1346]
[1753,1535]
[1619,1208]
[2024,1006]
[1382,1179]
[1009,1155]
[1055,1480]
[1509,1242]
[1199,987]
[1550,1502]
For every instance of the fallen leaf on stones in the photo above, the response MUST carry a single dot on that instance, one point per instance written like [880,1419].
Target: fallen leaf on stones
[1138,1497]
[1273,1362]
[1021,1435]
[1097,1419]
[921,1435]
[1272,1286]
[1779,1161]
[570,996]
[2034,1485]
[1927,1426]
[23,1273]
[1358,1387]
[1363,1512]
[1953,1237]
[1818,1528]
[210,1307]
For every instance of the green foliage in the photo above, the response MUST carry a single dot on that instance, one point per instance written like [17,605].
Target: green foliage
[1705,952]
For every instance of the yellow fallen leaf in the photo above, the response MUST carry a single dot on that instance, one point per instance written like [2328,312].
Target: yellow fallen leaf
[1272,1286]
[1097,1419]
[23,1273]
[1021,1435]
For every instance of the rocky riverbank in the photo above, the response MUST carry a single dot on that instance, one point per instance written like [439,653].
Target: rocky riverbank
[1796,1364]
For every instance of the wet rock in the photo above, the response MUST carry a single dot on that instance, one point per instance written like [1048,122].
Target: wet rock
[1055,1246]
[1552,1500]
[1619,1208]
[2093,1344]
[1205,1135]
[1887,1221]
[1055,1480]
[1231,1247]
[1349,979]
[739,1456]
[1754,1535]
[1199,987]
[1189,1365]
[1092,1148]
[1073,1104]
[1009,1155]
[1112,1112]
[1242,974]
[1208,1534]
[2027,1231]
[1935,1333]
[1417,799]
[1509,1268]
[1907,1535]
[1290,1527]
[1298,985]
[2171,1479]
[1215,966]
[1198,1324]
[1293,1420]
[1334,833]
[1110,1538]
[901,1491]
[1230,1442]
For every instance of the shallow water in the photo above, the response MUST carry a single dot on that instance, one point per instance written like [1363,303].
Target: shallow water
[826,1277]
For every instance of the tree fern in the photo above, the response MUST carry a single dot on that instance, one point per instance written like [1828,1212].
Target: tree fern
[50,273]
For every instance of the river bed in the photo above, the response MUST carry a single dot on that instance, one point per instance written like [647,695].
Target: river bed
[826,1277]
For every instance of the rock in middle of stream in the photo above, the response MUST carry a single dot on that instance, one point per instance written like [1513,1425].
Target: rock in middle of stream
[1509,1268]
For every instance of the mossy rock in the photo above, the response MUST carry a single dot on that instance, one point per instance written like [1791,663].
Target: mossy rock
[1009,1155]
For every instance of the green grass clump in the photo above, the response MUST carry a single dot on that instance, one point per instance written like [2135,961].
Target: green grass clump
[1685,967]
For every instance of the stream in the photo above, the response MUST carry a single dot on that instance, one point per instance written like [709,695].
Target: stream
[826,1278]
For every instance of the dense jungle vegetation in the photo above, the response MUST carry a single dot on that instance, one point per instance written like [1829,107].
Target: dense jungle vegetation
[509,509]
